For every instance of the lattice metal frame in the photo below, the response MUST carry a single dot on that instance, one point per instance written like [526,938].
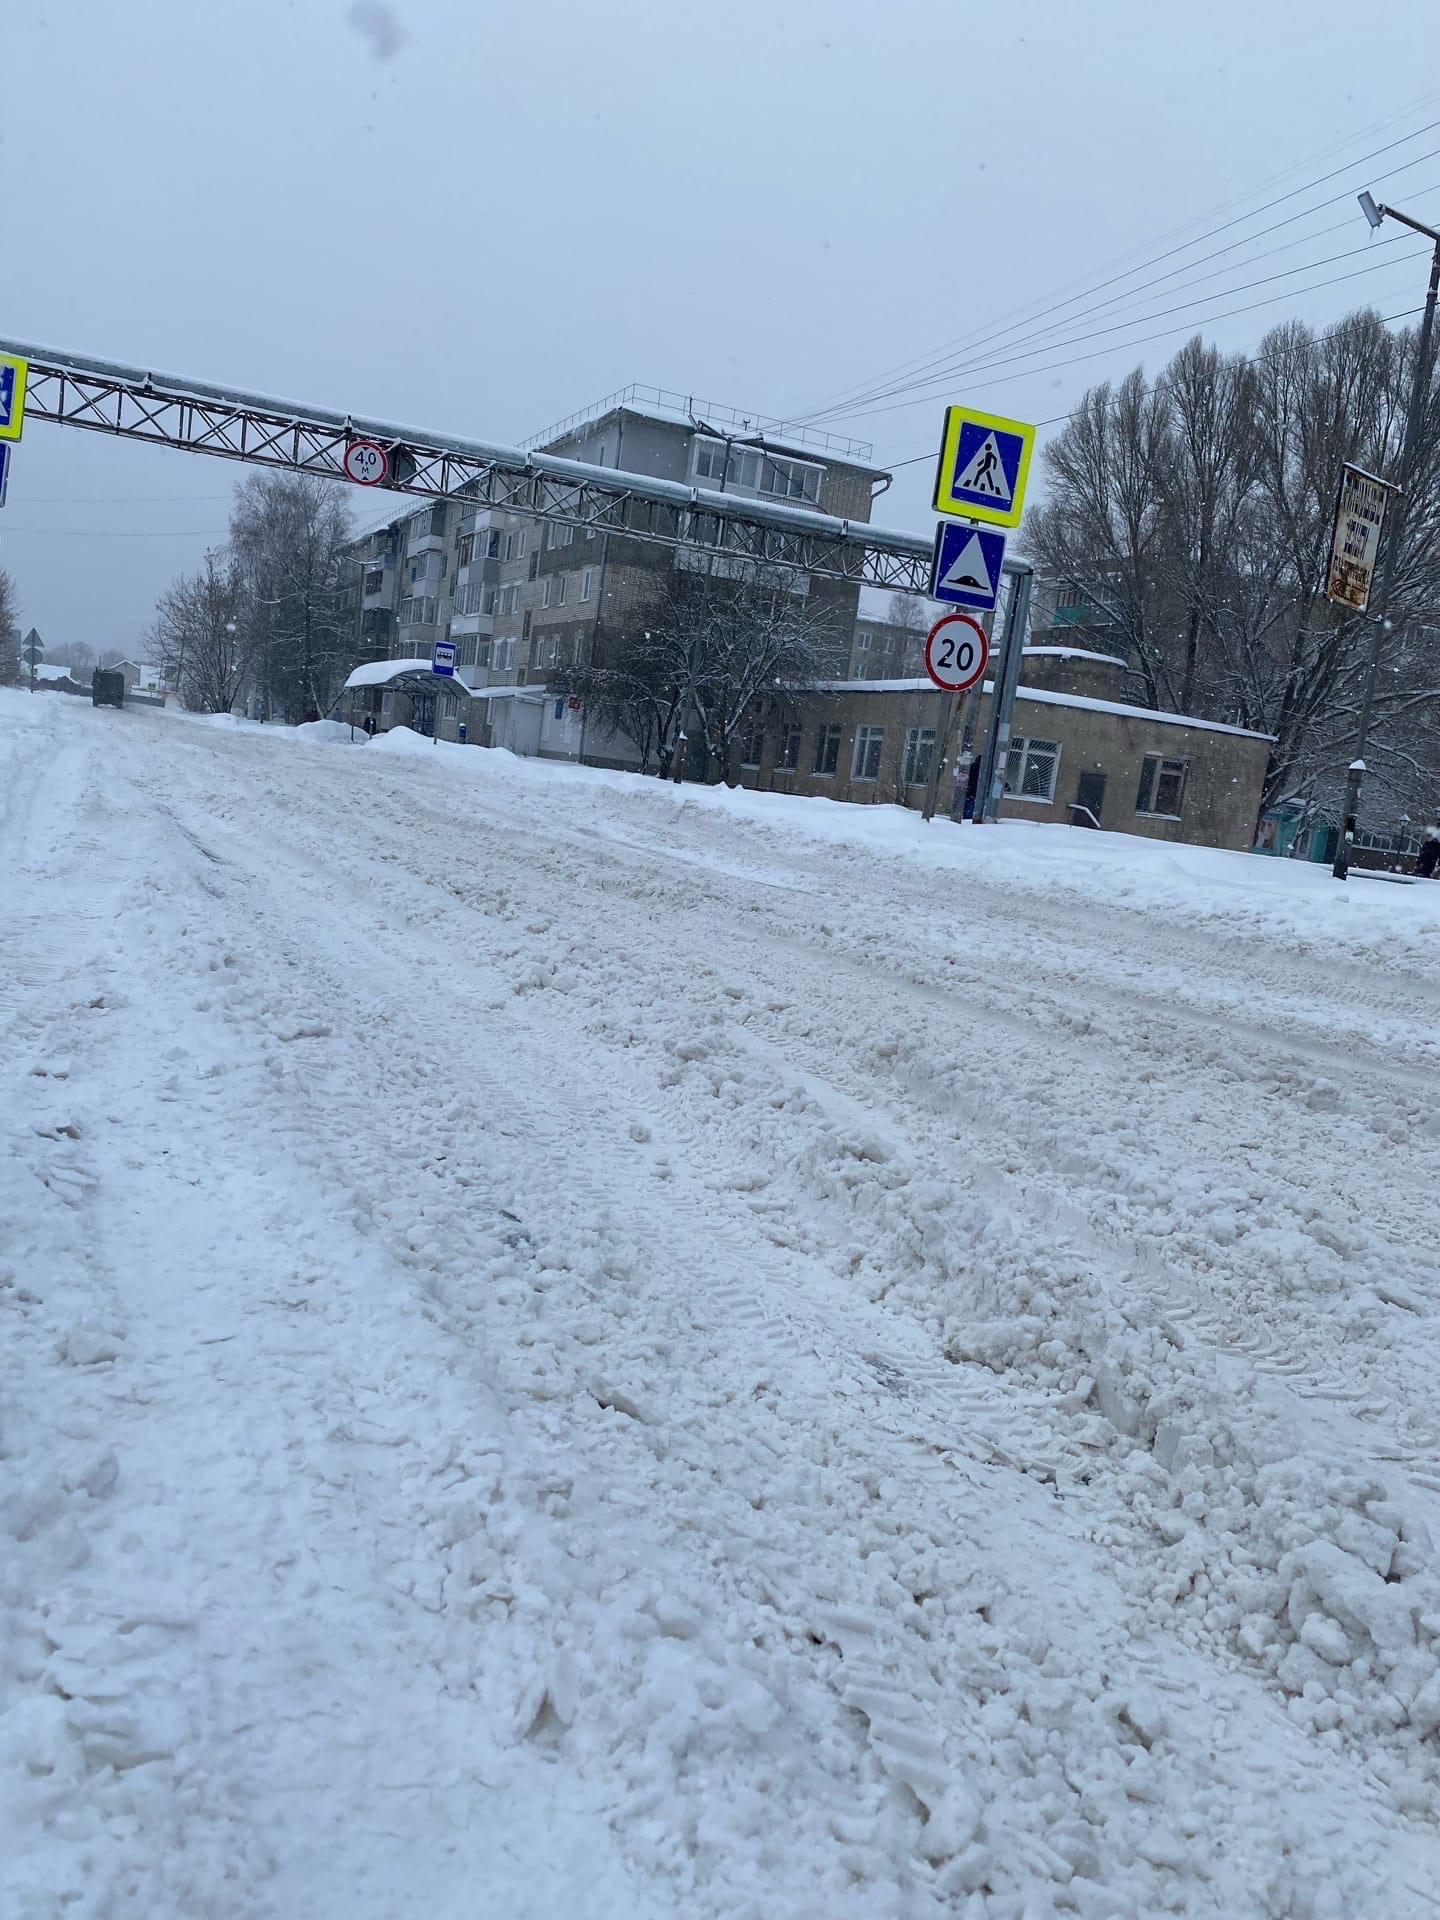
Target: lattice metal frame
[71,391]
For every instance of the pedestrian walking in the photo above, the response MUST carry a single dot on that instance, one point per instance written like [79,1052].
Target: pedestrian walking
[1428,857]
[370,728]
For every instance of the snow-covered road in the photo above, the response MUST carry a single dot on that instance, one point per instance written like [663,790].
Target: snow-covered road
[574,1349]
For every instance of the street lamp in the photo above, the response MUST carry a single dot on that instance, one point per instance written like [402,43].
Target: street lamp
[1380,625]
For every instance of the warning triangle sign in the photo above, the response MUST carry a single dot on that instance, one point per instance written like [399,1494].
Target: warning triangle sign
[985,473]
[969,569]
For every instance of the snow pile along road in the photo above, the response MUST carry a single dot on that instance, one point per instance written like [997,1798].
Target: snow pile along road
[579,1348]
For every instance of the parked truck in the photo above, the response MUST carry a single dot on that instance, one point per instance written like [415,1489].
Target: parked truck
[107,689]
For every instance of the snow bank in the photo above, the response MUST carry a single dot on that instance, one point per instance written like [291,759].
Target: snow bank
[613,1351]
[1295,901]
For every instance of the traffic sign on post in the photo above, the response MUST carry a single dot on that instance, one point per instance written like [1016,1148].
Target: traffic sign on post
[12,395]
[366,463]
[984,464]
[967,566]
[4,469]
[956,652]
[443,659]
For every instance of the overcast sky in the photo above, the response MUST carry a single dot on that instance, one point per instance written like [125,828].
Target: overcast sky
[479,218]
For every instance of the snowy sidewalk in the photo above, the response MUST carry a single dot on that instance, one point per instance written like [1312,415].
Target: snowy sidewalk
[572,1351]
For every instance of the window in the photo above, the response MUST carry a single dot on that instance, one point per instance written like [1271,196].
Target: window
[1162,786]
[827,749]
[752,744]
[545,586]
[504,655]
[869,745]
[492,544]
[788,758]
[482,653]
[587,574]
[919,756]
[450,705]
[562,582]
[418,611]
[465,552]
[601,461]
[1030,768]
[375,580]
[552,534]
[464,650]
[752,470]
[863,642]
[511,599]
[534,572]
[567,536]
[506,544]
[487,600]
[789,479]
[519,545]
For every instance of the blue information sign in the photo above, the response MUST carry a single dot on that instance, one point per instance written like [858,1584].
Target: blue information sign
[444,658]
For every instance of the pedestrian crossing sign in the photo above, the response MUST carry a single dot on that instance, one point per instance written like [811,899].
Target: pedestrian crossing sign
[12,396]
[984,464]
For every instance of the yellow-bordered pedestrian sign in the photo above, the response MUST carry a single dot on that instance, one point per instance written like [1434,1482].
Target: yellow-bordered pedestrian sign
[12,395]
[984,464]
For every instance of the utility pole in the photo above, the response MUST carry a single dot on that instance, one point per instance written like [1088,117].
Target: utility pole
[1380,623]
[1004,680]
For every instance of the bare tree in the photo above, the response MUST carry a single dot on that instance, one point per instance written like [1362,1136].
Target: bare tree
[200,635]
[1195,515]
[288,533]
[79,656]
[712,652]
[760,642]
[9,632]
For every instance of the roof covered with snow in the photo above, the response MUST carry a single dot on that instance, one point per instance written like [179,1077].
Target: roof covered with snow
[1077,653]
[1045,698]
[876,605]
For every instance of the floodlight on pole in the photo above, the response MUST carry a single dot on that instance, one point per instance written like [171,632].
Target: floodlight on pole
[1368,207]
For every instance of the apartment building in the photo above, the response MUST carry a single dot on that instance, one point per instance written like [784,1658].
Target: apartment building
[582,585]
[890,630]
[523,598]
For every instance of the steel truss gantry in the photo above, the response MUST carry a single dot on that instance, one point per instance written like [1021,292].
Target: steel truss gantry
[72,391]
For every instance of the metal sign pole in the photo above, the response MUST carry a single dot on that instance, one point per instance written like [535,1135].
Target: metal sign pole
[1002,698]
[938,753]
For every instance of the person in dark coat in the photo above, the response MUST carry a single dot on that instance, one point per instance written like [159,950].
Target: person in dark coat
[370,725]
[311,713]
[1428,857]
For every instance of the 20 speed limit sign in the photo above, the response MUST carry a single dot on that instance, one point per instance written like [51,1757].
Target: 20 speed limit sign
[957,652]
[365,463]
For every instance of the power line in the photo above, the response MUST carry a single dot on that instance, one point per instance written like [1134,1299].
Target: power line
[948,368]
[1164,333]
[121,533]
[1255,359]
[971,341]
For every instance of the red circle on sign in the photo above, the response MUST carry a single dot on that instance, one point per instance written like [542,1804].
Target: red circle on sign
[957,652]
[365,463]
